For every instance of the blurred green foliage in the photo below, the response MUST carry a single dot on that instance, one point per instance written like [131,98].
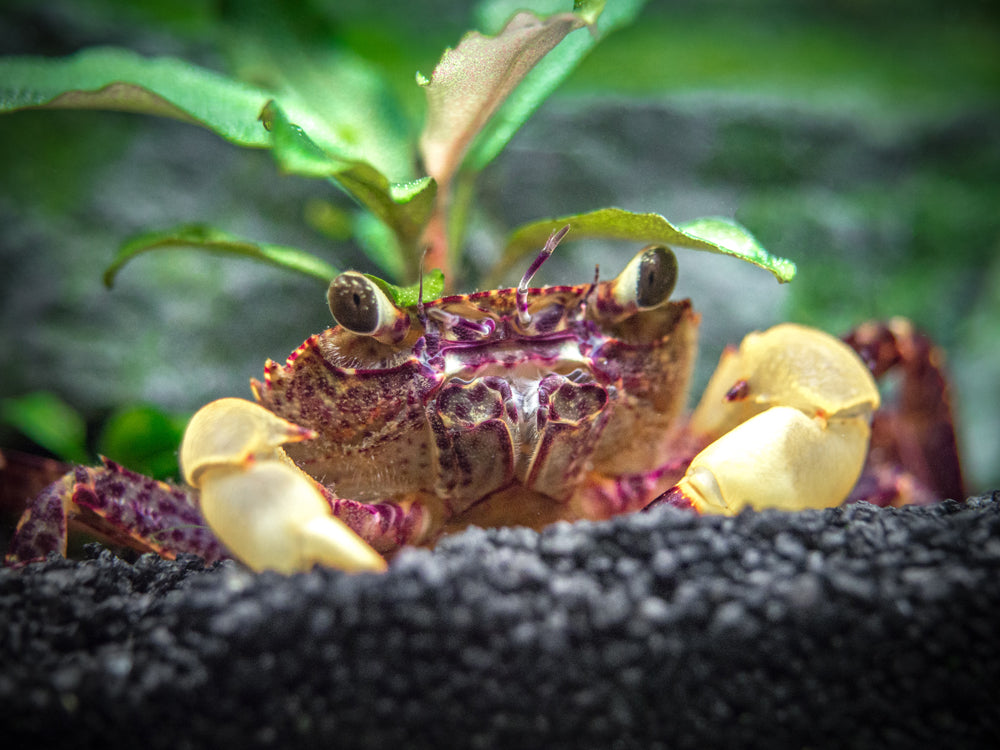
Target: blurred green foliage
[50,422]
[144,438]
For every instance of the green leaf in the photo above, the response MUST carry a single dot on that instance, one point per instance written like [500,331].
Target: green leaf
[379,244]
[471,81]
[713,234]
[50,422]
[144,439]
[346,115]
[546,76]
[407,296]
[403,207]
[201,237]
[116,79]
[295,151]
[341,99]
[728,237]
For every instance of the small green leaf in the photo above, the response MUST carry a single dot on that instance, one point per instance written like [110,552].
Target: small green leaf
[201,237]
[407,296]
[404,192]
[714,235]
[144,439]
[589,10]
[403,207]
[295,151]
[49,421]
[117,79]
[342,99]
[733,239]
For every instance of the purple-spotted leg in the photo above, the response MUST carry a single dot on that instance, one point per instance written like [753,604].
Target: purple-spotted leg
[118,505]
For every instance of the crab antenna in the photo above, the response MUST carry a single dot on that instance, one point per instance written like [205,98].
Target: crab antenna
[522,288]
[421,316]
[590,290]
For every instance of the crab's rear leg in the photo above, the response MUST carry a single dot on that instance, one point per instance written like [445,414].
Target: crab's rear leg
[788,415]
[119,506]
[265,510]
[914,455]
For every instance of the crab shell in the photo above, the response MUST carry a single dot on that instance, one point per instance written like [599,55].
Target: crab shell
[485,415]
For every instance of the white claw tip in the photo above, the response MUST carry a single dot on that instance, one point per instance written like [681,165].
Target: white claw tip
[233,432]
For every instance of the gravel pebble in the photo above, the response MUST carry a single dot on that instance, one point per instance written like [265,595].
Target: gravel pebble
[859,627]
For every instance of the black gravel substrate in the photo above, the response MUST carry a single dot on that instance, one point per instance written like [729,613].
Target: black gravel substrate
[854,627]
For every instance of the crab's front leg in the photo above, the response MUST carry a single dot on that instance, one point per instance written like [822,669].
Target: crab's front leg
[117,505]
[914,457]
[265,510]
[790,412]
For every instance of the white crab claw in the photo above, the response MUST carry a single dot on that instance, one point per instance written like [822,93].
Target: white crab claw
[234,432]
[778,459]
[266,511]
[787,365]
[792,409]
[273,518]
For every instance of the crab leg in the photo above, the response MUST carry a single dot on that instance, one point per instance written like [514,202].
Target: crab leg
[790,411]
[116,504]
[914,453]
[266,511]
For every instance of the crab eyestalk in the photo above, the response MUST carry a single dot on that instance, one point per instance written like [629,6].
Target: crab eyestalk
[644,284]
[267,512]
[358,305]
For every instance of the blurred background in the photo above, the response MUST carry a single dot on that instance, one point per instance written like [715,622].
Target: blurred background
[859,138]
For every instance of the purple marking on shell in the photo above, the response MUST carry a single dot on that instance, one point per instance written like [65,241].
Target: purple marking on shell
[466,478]
[399,328]
[605,304]
[513,414]
[384,525]
[522,288]
[546,387]
[574,402]
[498,384]
[476,394]
[547,319]
[420,345]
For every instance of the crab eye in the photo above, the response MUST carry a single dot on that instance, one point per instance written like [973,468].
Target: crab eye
[648,279]
[646,282]
[362,308]
[656,273]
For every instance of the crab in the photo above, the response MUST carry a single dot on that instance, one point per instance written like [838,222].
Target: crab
[518,406]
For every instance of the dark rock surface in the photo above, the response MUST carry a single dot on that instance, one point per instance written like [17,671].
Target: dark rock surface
[853,627]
